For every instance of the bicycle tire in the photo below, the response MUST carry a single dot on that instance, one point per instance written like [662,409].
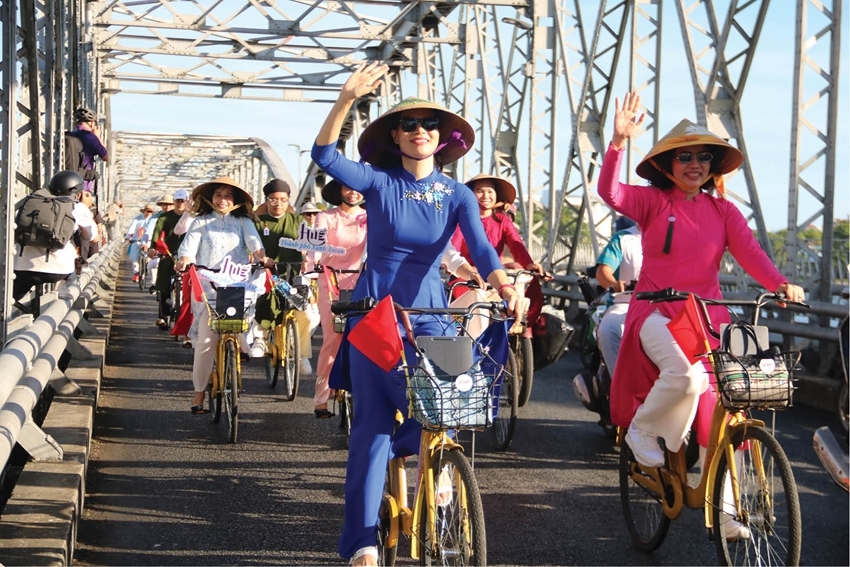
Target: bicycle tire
[143,275]
[642,509]
[505,422]
[347,415]
[844,408]
[215,402]
[289,361]
[525,363]
[773,531]
[271,359]
[176,293]
[458,535]
[231,390]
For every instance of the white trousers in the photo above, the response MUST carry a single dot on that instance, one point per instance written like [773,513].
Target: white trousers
[672,402]
[610,333]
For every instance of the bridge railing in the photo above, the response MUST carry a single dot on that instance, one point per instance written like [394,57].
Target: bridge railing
[30,358]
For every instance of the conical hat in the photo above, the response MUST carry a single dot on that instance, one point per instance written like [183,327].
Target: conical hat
[165,200]
[686,133]
[207,189]
[505,191]
[376,137]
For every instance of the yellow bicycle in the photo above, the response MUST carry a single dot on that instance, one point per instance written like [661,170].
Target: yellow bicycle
[283,341]
[447,392]
[747,489]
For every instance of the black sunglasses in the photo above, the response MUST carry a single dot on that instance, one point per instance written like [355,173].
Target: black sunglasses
[410,124]
[688,157]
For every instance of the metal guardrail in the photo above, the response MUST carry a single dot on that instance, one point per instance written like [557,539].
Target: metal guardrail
[570,293]
[29,359]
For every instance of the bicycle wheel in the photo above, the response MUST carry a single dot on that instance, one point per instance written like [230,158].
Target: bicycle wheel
[176,292]
[143,274]
[215,402]
[642,508]
[386,555]
[346,410]
[769,531]
[505,421]
[456,536]
[289,361]
[230,389]
[525,364]
[271,358]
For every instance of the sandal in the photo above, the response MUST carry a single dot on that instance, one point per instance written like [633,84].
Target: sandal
[323,413]
[199,410]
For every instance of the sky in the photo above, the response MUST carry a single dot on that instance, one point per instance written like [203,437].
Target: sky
[290,127]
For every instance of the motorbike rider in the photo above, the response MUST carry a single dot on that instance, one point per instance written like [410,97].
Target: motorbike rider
[617,267]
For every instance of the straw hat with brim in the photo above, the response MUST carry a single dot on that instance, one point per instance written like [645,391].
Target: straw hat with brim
[332,192]
[166,200]
[686,133]
[309,207]
[149,207]
[505,191]
[207,189]
[376,142]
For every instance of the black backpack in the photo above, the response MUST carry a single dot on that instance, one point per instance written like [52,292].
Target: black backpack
[74,157]
[45,221]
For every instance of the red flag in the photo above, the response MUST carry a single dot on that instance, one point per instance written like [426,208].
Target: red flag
[377,336]
[161,246]
[195,284]
[688,330]
[269,281]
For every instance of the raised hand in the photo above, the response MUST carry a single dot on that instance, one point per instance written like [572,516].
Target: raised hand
[364,80]
[626,120]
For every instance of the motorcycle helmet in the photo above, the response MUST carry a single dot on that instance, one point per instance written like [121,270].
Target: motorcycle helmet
[622,223]
[65,183]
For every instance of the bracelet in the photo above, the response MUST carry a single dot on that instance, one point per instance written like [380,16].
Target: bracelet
[506,285]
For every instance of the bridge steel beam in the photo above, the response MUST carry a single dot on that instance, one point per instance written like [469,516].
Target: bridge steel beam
[814,122]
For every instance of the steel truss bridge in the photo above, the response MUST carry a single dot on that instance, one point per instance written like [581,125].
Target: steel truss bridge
[534,77]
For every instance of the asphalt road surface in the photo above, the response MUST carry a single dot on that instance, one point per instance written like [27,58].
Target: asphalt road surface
[165,488]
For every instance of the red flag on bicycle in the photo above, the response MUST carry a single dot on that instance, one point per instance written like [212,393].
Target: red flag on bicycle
[161,246]
[688,330]
[195,284]
[376,335]
[183,322]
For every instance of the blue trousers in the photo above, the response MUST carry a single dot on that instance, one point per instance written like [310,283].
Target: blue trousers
[377,396]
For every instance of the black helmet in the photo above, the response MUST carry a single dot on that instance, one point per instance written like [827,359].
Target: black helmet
[84,115]
[622,223]
[65,183]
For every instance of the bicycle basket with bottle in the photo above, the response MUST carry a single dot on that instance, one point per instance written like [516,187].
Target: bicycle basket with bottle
[749,375]
[456,380]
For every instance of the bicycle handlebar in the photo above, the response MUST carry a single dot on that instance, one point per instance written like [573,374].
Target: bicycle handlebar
[365,304]
[670,294]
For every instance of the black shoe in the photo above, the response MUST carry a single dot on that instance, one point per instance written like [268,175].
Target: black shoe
[152,290]
[323,413]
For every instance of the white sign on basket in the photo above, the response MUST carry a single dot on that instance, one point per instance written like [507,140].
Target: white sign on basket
[767,365]
[463,383]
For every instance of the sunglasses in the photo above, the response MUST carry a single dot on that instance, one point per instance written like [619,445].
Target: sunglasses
[410,124]
[688,157]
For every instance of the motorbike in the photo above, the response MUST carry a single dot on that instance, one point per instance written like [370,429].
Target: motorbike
[832,452]
[592,386]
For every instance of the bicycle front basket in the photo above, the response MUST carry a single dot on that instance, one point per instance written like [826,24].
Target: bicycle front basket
[222,326]
[751,381]
[442,401]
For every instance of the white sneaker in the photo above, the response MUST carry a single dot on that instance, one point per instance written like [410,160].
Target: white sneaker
[258,349]
[645,447]
[306,367]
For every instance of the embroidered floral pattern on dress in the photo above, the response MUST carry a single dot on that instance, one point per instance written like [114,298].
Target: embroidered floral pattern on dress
[430,193]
